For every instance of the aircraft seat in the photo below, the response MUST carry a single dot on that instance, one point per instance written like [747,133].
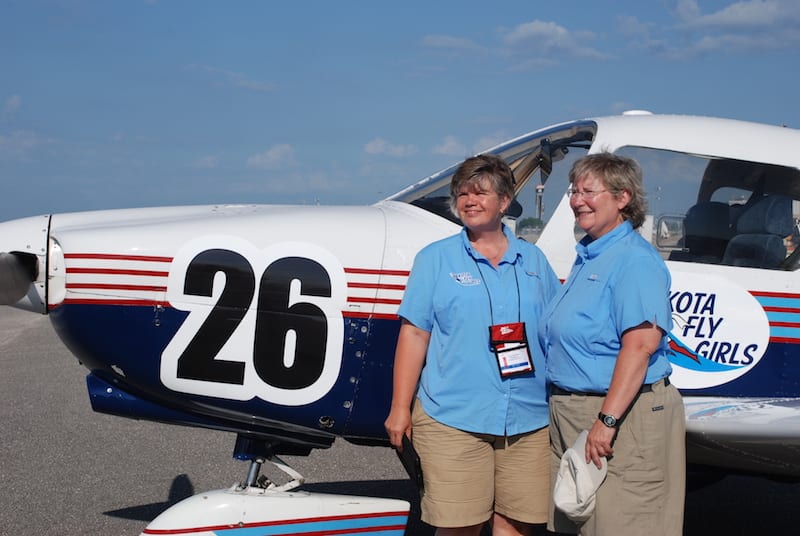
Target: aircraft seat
[706,232]
[760,233]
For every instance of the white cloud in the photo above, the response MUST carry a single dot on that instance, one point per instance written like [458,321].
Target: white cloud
[751,25]
[121,136]
[206,162]
[751,13]
[19,143]
[711,43]
[450,146]
[546,39]
[531,45]
[12,104]
[487,142]
[640,35]
[631,26]
[539,31]
[280,155]
[687,9]
[235,79]
[450,42]
[381,146]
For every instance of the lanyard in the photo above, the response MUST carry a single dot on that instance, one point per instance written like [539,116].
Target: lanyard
[486,286]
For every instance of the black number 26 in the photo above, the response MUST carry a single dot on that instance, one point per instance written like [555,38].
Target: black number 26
[275,318]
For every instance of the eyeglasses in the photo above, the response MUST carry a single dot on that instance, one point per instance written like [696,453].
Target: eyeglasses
[586,194]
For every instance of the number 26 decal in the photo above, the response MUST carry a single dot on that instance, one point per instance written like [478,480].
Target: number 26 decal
[262,323]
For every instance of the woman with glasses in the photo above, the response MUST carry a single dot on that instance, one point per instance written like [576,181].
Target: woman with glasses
[464,363]
[605,340]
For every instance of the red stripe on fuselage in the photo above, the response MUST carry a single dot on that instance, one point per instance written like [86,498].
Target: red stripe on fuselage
[376,286]
[117,257]
[323,519]
[766,294]
[117,271]
[109,286]
[370,271]
[384,301]
[118,302]
[769,309]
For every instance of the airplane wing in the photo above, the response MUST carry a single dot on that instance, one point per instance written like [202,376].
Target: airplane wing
[759,435]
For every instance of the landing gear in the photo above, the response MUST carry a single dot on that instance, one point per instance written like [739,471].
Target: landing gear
[259,451]
[259,502]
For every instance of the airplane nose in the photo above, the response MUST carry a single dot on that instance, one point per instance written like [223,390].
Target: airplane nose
[23,263]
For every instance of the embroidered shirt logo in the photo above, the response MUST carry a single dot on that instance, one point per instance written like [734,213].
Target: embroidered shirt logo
[465,279]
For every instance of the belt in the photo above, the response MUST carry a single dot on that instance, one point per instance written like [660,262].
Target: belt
[646,388]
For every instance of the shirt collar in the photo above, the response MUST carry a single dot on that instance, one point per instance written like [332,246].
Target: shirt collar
[511,254]
[589,249]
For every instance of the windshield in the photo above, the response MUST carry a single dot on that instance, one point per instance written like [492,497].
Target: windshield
[538,151]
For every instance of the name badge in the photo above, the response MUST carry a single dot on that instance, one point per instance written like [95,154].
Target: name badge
[510,346]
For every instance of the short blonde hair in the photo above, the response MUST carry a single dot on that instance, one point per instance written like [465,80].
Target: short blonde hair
[618,173]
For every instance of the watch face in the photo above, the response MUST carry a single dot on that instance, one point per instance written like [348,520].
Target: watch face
[609,420]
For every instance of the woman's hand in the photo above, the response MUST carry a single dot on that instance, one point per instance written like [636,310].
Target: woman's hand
[412,345]
[599,443]
[398,423]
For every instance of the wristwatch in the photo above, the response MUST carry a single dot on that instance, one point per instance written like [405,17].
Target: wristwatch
[608,420]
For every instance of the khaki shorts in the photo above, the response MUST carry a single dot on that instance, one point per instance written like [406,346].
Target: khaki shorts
[469,476]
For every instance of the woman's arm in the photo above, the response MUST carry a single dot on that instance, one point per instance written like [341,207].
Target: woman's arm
[638,344]
[409,357]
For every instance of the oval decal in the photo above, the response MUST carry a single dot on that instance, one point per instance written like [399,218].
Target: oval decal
[719,332]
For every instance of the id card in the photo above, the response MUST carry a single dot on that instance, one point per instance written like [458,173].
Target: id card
[510,345]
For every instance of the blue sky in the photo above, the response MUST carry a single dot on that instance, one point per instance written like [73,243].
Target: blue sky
[110,104]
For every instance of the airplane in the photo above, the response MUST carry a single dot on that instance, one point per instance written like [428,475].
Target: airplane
[278,323]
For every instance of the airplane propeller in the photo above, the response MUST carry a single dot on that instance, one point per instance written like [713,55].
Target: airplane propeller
[17,272]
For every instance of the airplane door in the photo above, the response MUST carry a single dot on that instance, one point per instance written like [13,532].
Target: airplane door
[408,229]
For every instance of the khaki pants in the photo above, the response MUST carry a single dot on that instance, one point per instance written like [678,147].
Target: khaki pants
[645,488]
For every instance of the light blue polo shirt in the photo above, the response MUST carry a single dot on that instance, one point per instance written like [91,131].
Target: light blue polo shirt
[617,282]
[448,294]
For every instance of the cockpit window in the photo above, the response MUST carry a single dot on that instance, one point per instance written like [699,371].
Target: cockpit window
[720,211]
[701,209]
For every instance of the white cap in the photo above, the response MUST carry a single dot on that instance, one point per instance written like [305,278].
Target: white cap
[577,481]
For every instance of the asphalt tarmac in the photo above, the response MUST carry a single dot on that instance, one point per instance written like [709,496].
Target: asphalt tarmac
[66,470]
